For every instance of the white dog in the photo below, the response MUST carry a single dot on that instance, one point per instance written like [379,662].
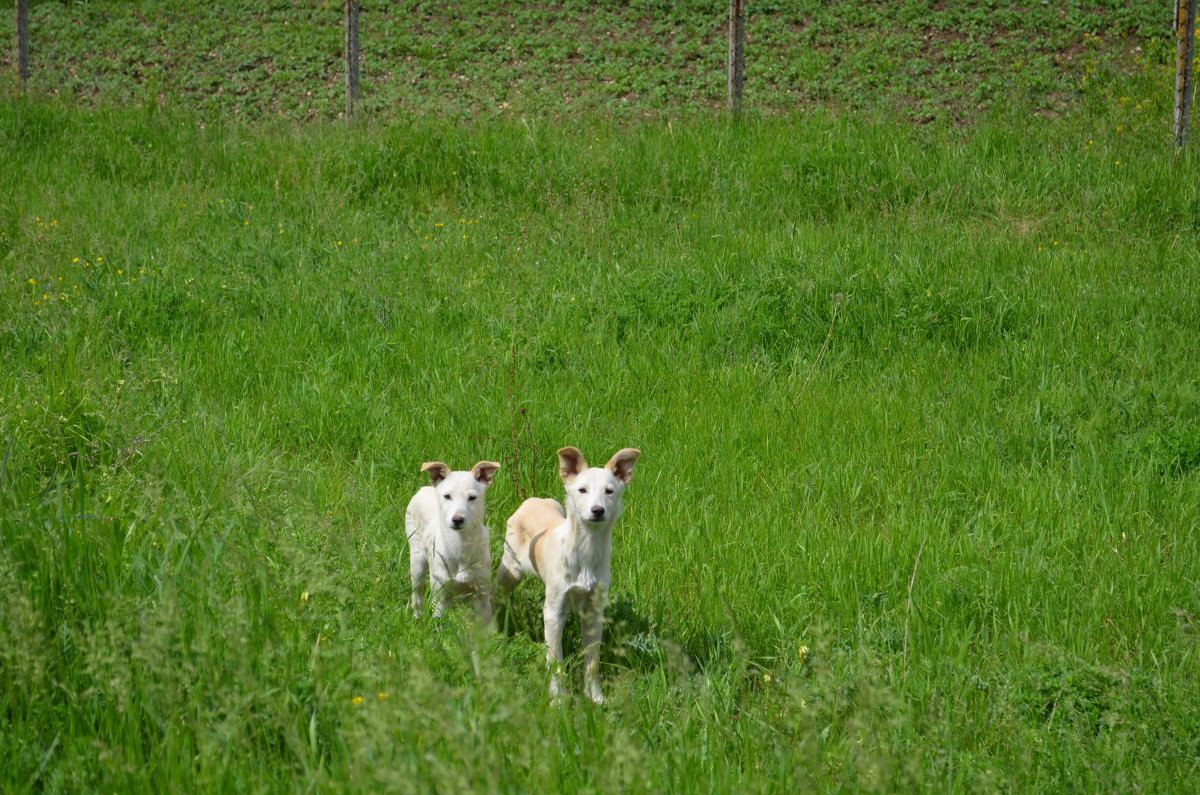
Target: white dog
[571,553]
[447,540]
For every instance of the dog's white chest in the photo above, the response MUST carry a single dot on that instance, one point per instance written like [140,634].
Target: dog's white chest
[587,574]
[464,552]
[587,563]
[585,584]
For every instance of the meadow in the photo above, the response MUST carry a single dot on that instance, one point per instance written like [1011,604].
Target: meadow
[918,407]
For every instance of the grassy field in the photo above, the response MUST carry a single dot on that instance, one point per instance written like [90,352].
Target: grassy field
[918,406]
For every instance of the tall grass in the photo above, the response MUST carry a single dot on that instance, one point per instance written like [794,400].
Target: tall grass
[919,411]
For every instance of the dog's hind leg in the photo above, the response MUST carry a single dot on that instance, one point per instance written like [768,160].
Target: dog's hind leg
[507,578]
[508,574]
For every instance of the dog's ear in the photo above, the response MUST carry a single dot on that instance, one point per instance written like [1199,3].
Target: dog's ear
[437,471]
[621,464]
[484,471]
[570,463]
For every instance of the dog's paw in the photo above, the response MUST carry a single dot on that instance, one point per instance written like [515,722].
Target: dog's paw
[595,694]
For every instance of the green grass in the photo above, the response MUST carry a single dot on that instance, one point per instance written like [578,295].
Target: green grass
[918,407]
[840,344]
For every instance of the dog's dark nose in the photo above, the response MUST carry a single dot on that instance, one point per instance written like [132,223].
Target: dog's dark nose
[597,511]
[457,521]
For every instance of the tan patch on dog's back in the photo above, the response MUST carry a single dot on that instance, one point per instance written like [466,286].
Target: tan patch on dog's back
[535,517]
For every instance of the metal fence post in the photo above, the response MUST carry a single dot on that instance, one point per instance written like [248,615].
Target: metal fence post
[1185,40]
[352,9]
[737,37]
[22,44]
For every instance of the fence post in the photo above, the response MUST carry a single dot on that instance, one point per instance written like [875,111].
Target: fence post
[352,9]
[22,44]
[1185,39]
[737,37]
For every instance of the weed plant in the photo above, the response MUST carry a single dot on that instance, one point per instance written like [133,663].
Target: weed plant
[926,61]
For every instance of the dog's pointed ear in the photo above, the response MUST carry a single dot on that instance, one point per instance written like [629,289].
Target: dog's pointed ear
[437,471]
[484,471]
[621,464]
[570,463]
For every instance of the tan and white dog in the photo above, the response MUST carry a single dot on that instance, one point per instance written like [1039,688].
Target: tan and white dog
[571,552]
[447,539]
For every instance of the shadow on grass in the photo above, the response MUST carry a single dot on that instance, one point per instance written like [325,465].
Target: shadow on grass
[633,640]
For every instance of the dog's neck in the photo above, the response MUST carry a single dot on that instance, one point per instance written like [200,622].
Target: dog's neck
[590,542]
[470,532]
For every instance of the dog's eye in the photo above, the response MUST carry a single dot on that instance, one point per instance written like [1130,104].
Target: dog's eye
[471,498]
[445,496]
[608,490]
[583,489]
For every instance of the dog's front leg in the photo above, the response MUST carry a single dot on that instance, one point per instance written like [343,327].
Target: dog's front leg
[441,598]
[442,585]
[554,613]
[480,590]
[591,621]
[419,573]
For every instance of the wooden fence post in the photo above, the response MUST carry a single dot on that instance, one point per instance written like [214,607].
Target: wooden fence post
[352,9]
[737,37]
[1185,39]
[22,44]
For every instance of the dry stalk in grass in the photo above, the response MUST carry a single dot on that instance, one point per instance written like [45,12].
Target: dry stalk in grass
[908,608]
[520,471]
[839,299]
